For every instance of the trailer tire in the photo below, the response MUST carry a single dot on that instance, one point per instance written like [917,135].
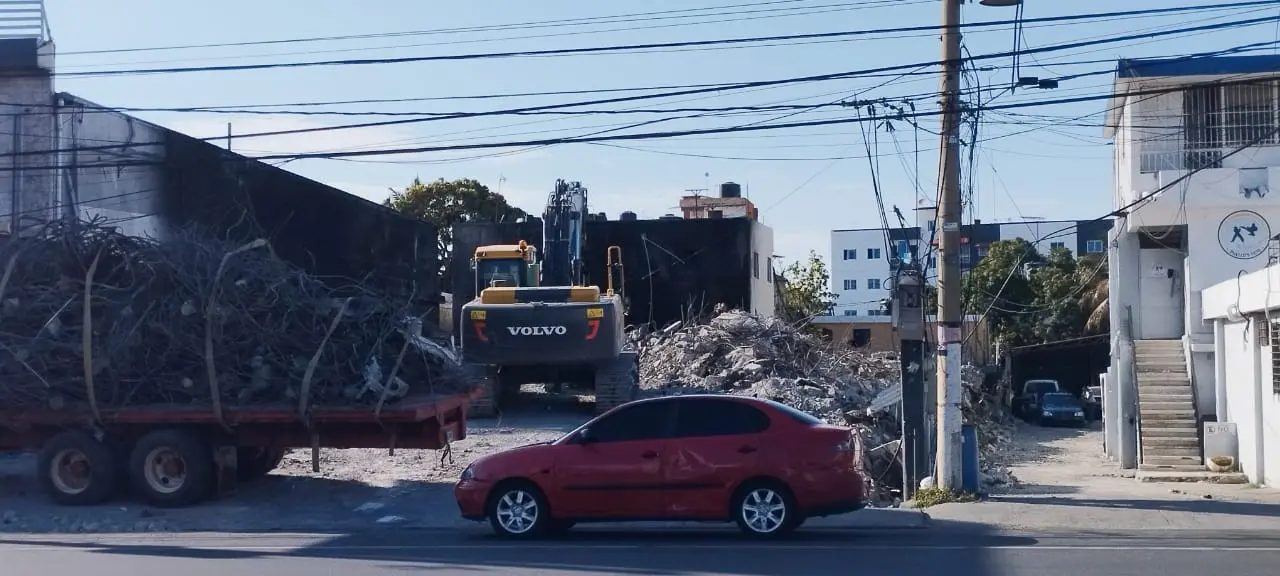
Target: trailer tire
[253,463]
[76,469]
[172,468]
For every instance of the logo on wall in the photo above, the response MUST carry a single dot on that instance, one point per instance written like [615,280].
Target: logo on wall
[1244,234]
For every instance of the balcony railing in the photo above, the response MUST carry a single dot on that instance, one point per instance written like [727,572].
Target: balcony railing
[23,19]
[1152,161]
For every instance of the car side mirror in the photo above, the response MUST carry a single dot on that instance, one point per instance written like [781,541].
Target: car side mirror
[586,436]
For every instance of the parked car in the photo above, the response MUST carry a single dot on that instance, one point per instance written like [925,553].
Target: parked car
[761,464]
[1027,403]
[1093,402]
[1061,408]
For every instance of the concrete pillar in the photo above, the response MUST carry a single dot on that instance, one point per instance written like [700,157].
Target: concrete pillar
[1220,370]
[29,183]
[1257,329]
[1111,410]
[1125,319]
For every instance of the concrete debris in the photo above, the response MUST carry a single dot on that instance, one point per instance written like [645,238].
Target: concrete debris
[739,353]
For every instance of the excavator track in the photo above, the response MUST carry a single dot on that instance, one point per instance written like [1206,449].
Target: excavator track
[617,382]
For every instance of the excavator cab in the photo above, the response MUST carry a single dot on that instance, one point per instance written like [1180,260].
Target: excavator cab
[512,266]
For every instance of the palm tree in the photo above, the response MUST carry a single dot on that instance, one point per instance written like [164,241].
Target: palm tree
[1094,296]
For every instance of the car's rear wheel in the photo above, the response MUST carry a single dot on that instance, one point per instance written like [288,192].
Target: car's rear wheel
[518,510]
[765,509]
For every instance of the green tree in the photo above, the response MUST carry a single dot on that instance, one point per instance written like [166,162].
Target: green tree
[805,291]
[448,202]
[1000,287]
[1056,312]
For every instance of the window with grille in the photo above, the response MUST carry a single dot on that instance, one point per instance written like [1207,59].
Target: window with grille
[1249,114]
[1273,332]
[1227,117]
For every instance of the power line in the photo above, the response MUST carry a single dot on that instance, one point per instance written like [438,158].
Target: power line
[773,14]
[791,12]
[590,139]
[762,83]
[667,45]
[590,20]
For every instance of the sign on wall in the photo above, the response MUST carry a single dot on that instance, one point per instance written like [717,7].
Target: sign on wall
[1244,234]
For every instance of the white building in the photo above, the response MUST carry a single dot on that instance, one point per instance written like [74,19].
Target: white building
[1245,313]
[861,262]
[1196,149]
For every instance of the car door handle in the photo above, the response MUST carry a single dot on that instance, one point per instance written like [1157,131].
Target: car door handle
[649,455]
[746,449]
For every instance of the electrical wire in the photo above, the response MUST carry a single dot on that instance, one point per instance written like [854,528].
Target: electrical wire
[589,20]
[683,44]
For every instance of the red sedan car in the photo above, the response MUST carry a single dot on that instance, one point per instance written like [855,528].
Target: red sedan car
[758,463]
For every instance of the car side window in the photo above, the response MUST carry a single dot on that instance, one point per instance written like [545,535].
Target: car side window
[643,421]
[700,417]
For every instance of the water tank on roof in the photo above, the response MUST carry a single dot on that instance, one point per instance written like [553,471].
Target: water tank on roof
[627,216]
[730,190]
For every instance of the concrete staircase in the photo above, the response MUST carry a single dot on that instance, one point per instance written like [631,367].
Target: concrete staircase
[1170,440]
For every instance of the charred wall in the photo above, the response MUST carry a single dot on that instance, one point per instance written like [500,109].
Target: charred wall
[320,228]
[671,267]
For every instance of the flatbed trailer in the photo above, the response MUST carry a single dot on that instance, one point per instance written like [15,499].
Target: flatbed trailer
[174,456]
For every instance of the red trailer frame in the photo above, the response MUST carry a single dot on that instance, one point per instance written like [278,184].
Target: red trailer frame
[245,443]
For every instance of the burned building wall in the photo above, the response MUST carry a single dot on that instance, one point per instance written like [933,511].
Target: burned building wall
[674,268]
[320,228]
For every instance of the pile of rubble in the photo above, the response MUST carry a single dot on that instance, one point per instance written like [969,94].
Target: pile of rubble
[740,353]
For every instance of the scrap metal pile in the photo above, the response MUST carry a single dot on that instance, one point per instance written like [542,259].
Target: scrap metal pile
[739,353]
[93,319]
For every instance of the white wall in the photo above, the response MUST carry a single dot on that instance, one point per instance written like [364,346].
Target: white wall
[1238,346]
[1251,402]
[762,286]
[860,269]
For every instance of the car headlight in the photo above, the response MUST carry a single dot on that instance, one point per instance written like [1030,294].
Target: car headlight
[1048,413]
[1079,414]
[467,474]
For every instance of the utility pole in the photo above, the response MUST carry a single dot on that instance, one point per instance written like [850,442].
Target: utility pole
[908,320]
[950,316]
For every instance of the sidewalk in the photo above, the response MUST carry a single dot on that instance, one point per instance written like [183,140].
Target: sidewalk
[1124,504]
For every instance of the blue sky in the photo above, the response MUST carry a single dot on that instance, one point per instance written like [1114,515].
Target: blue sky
[1056,172]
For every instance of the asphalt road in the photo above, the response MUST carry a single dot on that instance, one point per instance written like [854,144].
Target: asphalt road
[963,552]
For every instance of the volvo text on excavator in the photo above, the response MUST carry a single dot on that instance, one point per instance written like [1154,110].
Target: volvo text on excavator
[535,320]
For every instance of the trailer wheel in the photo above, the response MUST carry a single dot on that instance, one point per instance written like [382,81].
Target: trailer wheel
[172,468]
[77,470]
[254,463]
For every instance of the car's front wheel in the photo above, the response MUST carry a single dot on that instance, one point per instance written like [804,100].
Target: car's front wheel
[766,509]
[518,510]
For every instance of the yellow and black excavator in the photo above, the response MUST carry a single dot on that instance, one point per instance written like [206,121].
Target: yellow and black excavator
[534,320]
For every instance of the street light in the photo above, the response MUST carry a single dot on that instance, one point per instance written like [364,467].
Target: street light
[1000,2]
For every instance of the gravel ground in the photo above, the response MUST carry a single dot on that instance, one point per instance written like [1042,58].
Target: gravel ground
[355,488]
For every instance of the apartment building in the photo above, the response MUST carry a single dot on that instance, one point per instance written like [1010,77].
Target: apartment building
[863,260]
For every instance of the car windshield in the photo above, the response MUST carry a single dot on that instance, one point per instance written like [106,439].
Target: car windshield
[1058,400]
[1042,386]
